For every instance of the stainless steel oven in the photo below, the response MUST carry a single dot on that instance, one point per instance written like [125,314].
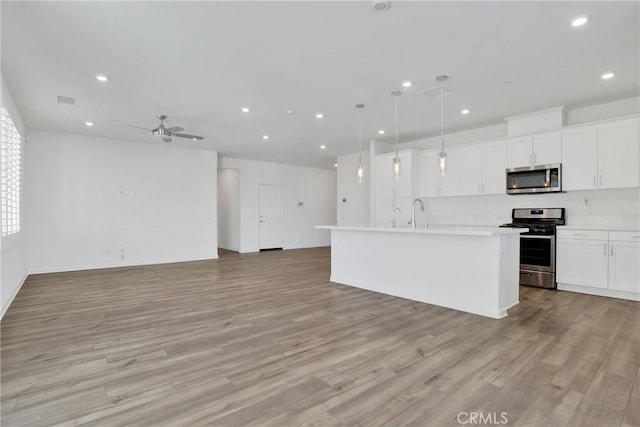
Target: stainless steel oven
[538,244]
[537,260]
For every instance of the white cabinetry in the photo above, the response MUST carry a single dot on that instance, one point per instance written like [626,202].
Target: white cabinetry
[582,258]
[624,256]
[604,156]
[494,164]
[540,149]
[470,162]
[580,158]
[618,154]
[471,170]
[429,174]
[599,262]
[449,183]
[406,184]
[394,195]
[432,184]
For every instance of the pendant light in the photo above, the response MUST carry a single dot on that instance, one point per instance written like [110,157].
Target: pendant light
[396,159]
[360,167]
[442,156]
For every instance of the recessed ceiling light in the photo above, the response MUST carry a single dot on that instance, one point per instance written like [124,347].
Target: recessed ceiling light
[265,137]
[88,124]
[102,78]
[465,111]
[319,116]
[195,139]
[407,84]
[335,165]
[381,132]
[246,109]
[289,112]
[607,76]
[322,147]
[579,21]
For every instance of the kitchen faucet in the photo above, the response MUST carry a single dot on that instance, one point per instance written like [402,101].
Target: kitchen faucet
[413,212]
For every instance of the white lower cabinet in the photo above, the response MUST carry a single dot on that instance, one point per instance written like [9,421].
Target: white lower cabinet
[600,262]
[624,273]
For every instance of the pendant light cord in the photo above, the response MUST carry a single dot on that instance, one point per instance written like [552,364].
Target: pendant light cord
[442,118]
[360,135]
[396,99]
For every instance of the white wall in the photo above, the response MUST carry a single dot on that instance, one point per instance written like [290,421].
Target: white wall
[229,209]
[95,202]
[353,198]
[13,260]
[315,188]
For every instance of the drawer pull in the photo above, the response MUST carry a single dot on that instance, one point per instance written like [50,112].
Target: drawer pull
[580,234]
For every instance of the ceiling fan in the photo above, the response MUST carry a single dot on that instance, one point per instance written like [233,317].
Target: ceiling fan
[166,133]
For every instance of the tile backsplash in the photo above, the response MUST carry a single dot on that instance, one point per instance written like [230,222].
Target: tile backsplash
[617,208]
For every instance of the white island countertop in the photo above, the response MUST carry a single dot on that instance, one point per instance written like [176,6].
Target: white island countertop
[468,268]
[463,230]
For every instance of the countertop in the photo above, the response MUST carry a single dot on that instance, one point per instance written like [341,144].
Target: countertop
[596,227]
[460,230]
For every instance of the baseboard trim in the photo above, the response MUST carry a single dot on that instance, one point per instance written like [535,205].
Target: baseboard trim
[15,293]
[601,292]
[100,267]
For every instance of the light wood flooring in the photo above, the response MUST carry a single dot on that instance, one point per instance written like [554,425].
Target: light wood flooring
[265,339]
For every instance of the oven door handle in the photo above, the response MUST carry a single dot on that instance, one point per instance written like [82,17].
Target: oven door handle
[526,236]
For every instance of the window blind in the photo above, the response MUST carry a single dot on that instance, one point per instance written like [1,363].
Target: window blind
[11,153]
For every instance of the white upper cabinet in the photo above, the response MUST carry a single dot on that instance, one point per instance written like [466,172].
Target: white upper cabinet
[580,158]
[449,182]
[407,184]
[604,156]
[470,168]
[618,154]
[520,151]
[547,148]
[429,174]
[494,164]
[385,183]
[540,149]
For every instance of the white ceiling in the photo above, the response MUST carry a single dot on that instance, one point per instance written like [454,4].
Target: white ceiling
[200,62]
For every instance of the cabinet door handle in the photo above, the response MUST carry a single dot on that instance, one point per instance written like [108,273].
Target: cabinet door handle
[612,249]
[600,180]
[535,158]
[605,249]
[530,162]
[594,180]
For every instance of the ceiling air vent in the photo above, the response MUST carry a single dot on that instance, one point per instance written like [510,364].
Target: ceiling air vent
[66,100]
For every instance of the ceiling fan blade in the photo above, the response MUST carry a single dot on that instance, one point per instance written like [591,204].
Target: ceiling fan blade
[175,129]
[136,127]
[186,135]
[166,139]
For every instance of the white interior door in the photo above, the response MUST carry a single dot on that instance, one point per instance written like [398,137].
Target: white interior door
[271,216]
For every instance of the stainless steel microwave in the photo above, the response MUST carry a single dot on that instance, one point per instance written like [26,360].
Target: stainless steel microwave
[535,179]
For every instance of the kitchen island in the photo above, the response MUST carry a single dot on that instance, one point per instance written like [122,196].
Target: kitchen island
[472,269]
